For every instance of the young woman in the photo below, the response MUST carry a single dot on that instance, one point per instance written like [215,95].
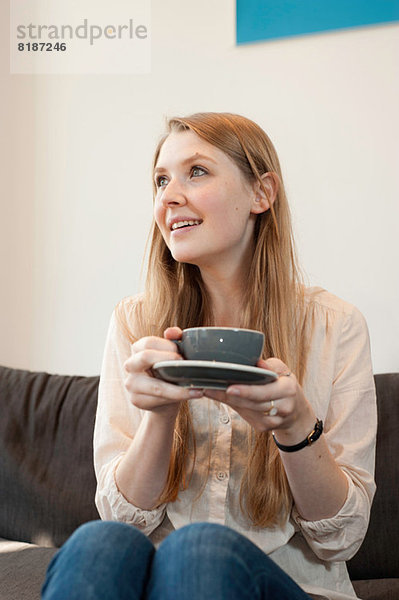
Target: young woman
[239,493]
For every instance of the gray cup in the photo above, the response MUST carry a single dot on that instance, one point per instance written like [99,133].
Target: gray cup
[221,344]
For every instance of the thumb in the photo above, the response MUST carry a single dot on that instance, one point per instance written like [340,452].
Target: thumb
[172,333]
[274,364]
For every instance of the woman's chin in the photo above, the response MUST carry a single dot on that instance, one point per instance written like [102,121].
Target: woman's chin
[185,257]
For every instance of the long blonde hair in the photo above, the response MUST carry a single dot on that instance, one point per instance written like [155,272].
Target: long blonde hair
[176,295]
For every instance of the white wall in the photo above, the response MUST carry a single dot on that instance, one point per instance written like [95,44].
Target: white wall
[76,154]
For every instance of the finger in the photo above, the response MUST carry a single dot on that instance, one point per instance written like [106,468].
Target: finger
[274,364]
[146,359]
[146,389]
[173,333]
[248,395]
[260,409]
[153,342]
[260,421]
[258,397]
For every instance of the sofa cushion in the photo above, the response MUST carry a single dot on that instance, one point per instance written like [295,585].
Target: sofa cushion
[47,479]
[22,570]
[378,555]
[377,589]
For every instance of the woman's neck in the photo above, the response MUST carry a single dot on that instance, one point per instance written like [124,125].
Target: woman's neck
[226,293]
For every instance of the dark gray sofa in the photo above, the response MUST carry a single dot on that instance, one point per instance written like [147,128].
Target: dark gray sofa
[47,480]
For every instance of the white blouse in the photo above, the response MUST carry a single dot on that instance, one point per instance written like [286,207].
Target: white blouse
[339,384]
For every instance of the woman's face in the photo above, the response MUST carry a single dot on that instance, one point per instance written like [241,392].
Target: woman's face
[204,207]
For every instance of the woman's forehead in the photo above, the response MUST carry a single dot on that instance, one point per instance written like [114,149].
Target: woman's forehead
[180,146]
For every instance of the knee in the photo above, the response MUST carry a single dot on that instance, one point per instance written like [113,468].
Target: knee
[200,541]
[213,559]
[97,538]
[214,546]
[100,557]
[200,533]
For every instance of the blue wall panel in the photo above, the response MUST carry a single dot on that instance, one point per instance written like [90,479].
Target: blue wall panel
[266,19]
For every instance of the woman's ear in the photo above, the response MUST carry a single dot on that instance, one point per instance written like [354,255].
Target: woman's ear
[262,201]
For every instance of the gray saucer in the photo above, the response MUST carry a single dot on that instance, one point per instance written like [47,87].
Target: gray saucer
[210,374]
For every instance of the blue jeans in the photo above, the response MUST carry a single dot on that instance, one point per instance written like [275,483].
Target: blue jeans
[106,560]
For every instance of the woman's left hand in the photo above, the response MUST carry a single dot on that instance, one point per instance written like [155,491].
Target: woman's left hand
[280,405]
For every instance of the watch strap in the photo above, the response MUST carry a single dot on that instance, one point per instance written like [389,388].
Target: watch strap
[310,439]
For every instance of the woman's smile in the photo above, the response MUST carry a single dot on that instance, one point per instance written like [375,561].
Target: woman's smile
[184,229]
[178,223]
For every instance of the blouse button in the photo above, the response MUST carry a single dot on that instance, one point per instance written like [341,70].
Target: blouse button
[224,419]
[221,476]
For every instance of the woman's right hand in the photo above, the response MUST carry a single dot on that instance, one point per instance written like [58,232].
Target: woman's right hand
[146,391]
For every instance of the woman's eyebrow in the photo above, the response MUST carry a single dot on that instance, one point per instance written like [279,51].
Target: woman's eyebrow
[190,159]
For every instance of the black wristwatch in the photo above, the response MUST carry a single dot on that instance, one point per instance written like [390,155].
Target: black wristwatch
[312,437]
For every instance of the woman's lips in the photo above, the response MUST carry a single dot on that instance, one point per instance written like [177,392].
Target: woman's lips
[182,230]
[179,222]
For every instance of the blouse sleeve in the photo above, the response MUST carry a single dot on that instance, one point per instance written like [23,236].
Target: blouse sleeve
[116,422]
[350,430]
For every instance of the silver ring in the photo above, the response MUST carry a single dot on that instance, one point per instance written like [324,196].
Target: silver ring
[286,374]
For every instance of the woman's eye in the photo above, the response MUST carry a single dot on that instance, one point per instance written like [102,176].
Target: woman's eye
[161,181]
[197,171]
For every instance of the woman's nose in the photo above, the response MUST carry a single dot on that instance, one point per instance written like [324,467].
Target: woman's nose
[173,193]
